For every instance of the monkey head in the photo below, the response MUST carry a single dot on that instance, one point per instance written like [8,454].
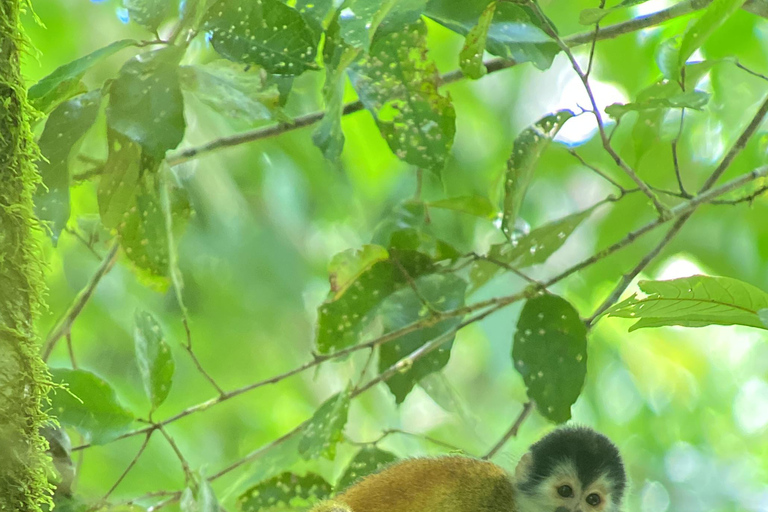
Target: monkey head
[571,469]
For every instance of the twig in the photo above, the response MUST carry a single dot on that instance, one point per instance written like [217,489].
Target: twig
[510,268]
[492,65]
[675,161]
[753,73]
[594,42]
[127,470]
[184,464]
[513,430]
[65,323]
[72,360]
[419,436]
[595,170]
[552,32]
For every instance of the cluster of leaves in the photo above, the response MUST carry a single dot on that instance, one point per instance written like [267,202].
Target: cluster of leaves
[409,288]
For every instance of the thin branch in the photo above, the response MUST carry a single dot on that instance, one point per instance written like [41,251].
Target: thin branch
[753,73]
[127,469]
[594,42]
[513,430]
[595,169]
[675,161]
[550,29]
[72,360]
[492,65]
[65,323]
[412,284]
[184,464]
[746,199]
[509,268]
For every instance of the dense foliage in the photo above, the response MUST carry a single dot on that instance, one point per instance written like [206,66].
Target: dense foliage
[289,195]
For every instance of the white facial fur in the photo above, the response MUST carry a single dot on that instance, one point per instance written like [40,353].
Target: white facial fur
[546,498]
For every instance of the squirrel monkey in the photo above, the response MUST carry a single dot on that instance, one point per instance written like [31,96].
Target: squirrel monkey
[569,470]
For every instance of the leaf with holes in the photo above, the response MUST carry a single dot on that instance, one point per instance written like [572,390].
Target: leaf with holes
[478,206]
[398,85]
[200,499]
[528,147]
[550,352]
[347,266]
[65,128]
[695,301]
[267,33]
[64,81]
[145,101]
[88,404]
[471,55]
[514,33]
[436,292]
[696,100]
[151,13]
[367,461]
[230,90]
[532,249]
[713,17]
[154,358]
[285,491]
[344,316]
[325,429]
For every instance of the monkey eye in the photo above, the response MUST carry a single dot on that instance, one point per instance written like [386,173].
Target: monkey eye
[593,499]
[565,491]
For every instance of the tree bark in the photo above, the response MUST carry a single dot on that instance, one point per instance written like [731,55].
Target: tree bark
[24,380]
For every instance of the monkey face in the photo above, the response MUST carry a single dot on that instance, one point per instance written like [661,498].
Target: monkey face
[563,491]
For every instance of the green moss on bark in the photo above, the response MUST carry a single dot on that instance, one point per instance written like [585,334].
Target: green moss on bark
[24,379]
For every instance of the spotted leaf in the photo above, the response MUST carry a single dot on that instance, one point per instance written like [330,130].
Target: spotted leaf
[154,358]
[550,352]
[398,85]
[367,461]
[285,491]
[324,430]
[471,56]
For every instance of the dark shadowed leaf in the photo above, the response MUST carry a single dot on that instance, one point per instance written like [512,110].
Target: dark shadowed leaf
[529,146]
[695,301]
[154,358]
[367,461]
[230,90]
[64,81]
[325,429]
[265,32]
[515,32]
[441,292]
[398,85]
[64,129]
[413,239]
[145,101]
[344,316]
[550,352]
[94,410]
[471,56]
[285,491]
[532,249]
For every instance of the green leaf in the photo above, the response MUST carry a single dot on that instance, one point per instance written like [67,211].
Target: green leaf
[471,56]
[201,498]
[696,100]
[713,17]
[359,20]
[65,80]
[346,267]
[230,90]
[367,461]
[398,85]
[120,180]
[413,239]
[154,358]
[695,301]
[528,147]
[88,404]
[150,13]
[550,352]
[145,101]
[441,292]
[64,129]
[515,32]
[325,428]
[473,205]
[285,491]
[763,315]
[337,56]
[667,55]
[267,33]
[316,13]
[532,249]
[343,318]
[595,15]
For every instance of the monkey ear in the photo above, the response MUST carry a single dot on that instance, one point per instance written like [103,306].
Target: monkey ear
[523,467]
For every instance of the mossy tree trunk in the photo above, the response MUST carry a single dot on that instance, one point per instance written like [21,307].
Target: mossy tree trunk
[23,377]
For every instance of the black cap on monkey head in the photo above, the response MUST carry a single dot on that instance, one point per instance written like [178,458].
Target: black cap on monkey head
[589,453]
